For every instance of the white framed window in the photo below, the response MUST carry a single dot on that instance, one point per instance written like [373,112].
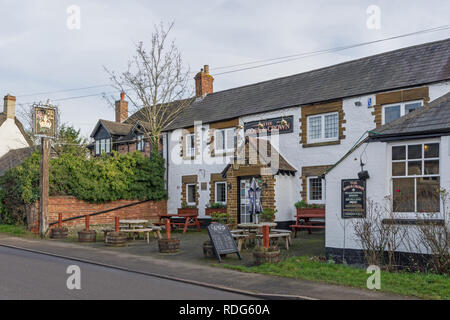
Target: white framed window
[221,192]
[415,177]
[102,145]
[323,127]
[396,110]
[315,190]
[190,145]
[224,140]
[191,189]
[140,142]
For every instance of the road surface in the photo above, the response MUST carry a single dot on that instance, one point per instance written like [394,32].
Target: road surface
[27,275]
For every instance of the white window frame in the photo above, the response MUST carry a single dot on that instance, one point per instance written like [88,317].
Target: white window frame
[102,145]
[406,176]
[187,194]
[216,193]
[402,108]
[308,191]
[225,140]
[322,138]
[140,144]
[190,150]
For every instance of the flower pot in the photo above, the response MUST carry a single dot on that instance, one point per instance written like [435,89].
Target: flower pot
[208,211]
[87,236]
[116,239]
[187,211]
[59,233]
[317,211]
[272,255]
[171,245]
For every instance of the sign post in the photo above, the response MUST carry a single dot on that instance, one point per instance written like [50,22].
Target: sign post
[45,127]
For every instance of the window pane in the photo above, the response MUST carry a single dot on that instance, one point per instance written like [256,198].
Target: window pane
[220,140]
[331,126]
[230,139]
[398,168]
[415,151]
[431,150]
[191,193]
[414,168]
[103,144]
[431,167]
[220,192]
[428,194]
[399,153]
[97,146]
[108,145]
[391,113]
[412,106]
[315,189]
[315,127]
[403,195]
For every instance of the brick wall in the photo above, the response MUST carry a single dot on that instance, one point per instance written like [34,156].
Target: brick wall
[71,207]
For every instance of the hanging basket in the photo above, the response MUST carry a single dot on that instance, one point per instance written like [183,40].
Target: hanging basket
[171,245]
[87,236]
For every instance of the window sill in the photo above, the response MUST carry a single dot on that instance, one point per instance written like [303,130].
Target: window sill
[321,144]
[413,222]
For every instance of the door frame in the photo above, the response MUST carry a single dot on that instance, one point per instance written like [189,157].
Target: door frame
[239,178]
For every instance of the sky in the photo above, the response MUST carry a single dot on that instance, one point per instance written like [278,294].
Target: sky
[40,53]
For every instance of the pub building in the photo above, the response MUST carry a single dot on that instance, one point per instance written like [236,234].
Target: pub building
[286,132]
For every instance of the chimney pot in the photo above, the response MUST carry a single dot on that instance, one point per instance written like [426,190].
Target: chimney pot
[9,106]
[122,96]
[206,67]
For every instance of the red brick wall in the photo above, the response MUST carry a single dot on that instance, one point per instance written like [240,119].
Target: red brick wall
[71,207]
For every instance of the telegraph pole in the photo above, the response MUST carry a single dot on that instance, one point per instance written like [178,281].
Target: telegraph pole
[44,187]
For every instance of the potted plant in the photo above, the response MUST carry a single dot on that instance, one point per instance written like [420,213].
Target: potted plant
[187,209]
[215,207]
[59,233]
[267,215]
[266,255]
[305,208]
[224,218]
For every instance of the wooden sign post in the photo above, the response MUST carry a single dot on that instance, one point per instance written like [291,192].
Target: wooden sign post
[44,186]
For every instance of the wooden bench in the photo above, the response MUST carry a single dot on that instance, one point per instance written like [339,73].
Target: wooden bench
[155,230]
[285,236]
[307,223]
[240,239]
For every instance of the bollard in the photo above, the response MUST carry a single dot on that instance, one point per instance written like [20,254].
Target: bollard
[60,220]
[167,222]
[86,221]
[117,224]
[266,239]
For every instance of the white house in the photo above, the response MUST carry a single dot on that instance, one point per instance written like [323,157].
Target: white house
[408,164]
[12,134]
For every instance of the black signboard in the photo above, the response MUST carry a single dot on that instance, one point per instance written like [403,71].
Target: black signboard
[353,198]
[283,124]
[222,240]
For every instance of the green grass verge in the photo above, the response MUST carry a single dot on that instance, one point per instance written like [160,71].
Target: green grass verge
[14,230]
[422,285]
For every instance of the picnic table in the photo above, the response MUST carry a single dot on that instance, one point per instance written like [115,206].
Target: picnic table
[250,231]
[137,226]
[303,222]
[189,220]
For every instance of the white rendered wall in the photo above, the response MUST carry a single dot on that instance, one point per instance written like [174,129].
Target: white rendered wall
[10,137]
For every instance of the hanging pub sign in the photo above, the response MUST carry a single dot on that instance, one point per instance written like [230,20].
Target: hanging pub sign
[353,198]
[283,124]
[44,121]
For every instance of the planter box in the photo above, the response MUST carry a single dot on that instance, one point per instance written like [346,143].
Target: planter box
[208,211]
[171,245]
[187,211]
[316,211]
[271,256]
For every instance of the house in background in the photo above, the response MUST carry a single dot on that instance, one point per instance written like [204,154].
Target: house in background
[12,133]
[408,161]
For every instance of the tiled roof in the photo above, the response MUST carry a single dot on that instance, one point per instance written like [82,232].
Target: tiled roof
[13,158]
[432,118]
[407,67]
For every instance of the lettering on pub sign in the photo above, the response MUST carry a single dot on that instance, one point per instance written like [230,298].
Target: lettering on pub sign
[353,198]
[282,124]
[45,121]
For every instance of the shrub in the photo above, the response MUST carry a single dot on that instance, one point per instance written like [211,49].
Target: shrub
[216,205]
[302,204]
[267,215]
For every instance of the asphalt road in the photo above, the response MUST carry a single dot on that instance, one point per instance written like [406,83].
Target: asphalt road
[27,275]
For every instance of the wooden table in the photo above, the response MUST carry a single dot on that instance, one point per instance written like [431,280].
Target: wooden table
[307,223]
[251,230]
[133,224]
[189,220]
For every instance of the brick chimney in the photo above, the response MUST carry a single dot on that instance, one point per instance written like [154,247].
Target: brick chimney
[121,108]
[203,82]
[9,106]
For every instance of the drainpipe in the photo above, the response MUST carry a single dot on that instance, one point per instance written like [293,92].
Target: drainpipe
[167,162]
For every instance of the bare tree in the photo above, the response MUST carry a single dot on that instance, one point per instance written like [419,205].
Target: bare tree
[156,83]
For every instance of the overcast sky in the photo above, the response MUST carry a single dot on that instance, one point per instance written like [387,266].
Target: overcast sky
[39,53]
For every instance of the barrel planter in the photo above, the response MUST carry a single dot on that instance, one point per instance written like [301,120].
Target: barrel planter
[116,239]
[87,236]
[263,255]
[171,245]
[59,233]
